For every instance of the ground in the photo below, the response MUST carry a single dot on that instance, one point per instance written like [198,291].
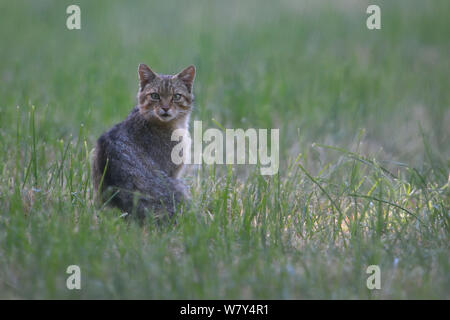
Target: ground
[364,155]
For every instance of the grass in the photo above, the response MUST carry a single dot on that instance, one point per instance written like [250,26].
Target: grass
[364,153]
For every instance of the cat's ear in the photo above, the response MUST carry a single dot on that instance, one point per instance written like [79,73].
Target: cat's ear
[187,76]
[145,75]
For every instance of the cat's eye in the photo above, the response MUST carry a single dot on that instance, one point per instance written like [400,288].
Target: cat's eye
[154,96]
[176,97]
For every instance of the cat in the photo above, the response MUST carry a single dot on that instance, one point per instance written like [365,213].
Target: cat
[132,166]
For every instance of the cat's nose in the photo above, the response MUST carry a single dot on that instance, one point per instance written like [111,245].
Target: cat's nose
[165,108]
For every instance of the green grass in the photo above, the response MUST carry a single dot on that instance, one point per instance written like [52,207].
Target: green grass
[364,153]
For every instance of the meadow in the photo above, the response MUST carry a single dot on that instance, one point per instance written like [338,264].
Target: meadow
[364,149]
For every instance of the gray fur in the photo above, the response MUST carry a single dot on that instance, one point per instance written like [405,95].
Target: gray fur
[140,177]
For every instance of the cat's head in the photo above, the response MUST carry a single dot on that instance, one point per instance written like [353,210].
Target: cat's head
[165,98]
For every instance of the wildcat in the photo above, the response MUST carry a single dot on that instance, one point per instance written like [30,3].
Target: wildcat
[132,166]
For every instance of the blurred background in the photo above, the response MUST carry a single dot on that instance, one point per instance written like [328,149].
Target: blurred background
[310,68]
